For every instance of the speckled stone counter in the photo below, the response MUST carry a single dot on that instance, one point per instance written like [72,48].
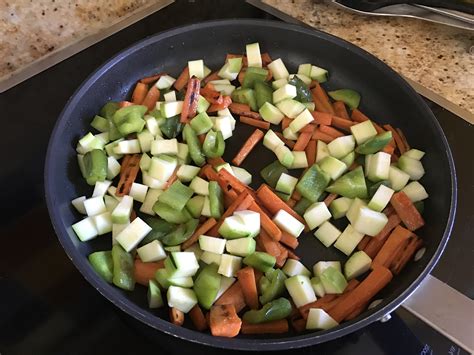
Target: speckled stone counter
[436,57]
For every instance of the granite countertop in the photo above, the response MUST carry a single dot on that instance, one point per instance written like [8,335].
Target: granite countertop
[437,57]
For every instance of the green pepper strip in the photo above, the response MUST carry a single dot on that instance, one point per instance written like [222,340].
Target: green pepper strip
[123,268]
[275,310]
[275,288]
[103,264]
[214,144]
[176,196]
[272,172]
[130,119]
[303,94]
[260,261]
[194,145]
[313,183]
[216,199]
[181,233]
[95,166]
[160,228]
[207,285]
[171,127]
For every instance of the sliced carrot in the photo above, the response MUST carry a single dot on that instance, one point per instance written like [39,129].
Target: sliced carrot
[172,179]
[341,123]
[266,59]
[266,222]
[321,136]
[285,122]
[191,99]
[328,200]
[247,147]
[318,104]
[363,243]
[389,210]
[246,277]
[291,253]
[182,80]
[198,318]
[322,118]
[268,244]
[176,316]
[302,141]
[296,195]
[340,110]
[256,123]
[288,142]
[215,161]
[211,95]
[298,324]
[211,77]
[375,243]
[229,197]
[395,242]
[234,182]
[321,95]
[128,174]
[358,116]
[202,138]
[234,296]
[151,79]
[388,149]
[357,311]
[403,138]
[289,240]
[399,263]
[133,215]
[311,152]
[407,211]
[151,98]
[291,202]
[282,257]
[228,212]
[353,166]
[309,128]
[398,140]
[144,272]
[273,327]
[226,101]
[241,76]
[378,128]
[330,131]
[139,93]
[322,302]
[202,229]
[124,104]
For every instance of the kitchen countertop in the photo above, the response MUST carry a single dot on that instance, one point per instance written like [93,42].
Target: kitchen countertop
[436,57]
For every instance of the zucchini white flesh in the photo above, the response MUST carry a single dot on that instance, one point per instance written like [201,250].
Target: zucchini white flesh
[117,229]
[121,213]
[316,214]
[320,266]
[285,156]
[224,89]
[95,205]
[341,146]
[278,69]
[200,186]
[369,222]
[271,140]
[271,113]
[183,153]
[348,159]
[225,166]
[133,234]
[288,223]
[151,182]
[145,162]
[229,265]
[181,298]
[240,247]
[305,69]
[100,188]
[155,300]
[333,167]
[294,267]
[196,68]
[279,83]
[103,223]
[233,228]
[322,151]
[170,109]
[327,234]
[303,119]
[415,191]
[90,142]
[186,173]
[300,161]
[226,282]
[210,257]
[170,96]
[251,220]
[224,112]
[398,178]
[162,167]
[318,286]
[85,229]
[202,105]
[138,192]
[113,168]
[353,210]
[287,91]
[379,167]
[348,240]
[231,69]
[319,74]
[150,199]
[290,108]
[363,131]
[196,250]
[112,190]
[319,319]
[286,184]
[152,251]
[414,154]
[130,146]
[165,82]
[288,133]
[242,174]
[145,138]
[109,148]
[206,208]
[78,204]
[381,198]
[164,146]
[224,125]
[358,264]
[300,289]
[152,125]
[339,207]
[103,137]
[212,244]
[185,262]
[254,57]
[412,167]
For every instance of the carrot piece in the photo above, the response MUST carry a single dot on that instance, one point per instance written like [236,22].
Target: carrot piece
[267,224]
[190,100]
[151,79]
[151,98]
[241,76]
[389,210]
[172,179]
[311,152]
[357,311]
[395,242]
[291,254]
[341,123]
[211,77]
[331,131]
[266,59]
[322,118]
[176,316]
[269,244]
[233,296]
[234,182]
[398,140]
[128,174]
[299,324]
[239,108]
[144,272]
[182,80]
[399,263]
[318,135]
[378,128]
[291,202]
[285,122]
[321,95]
[198,318]
[319,105]
[215,161]
[202,138]
[288,142]
[226,101]
[228,212]
[358,116]
[340,110]
[296,195]
[211,95]
[247,147]
[133,215]
[139,93]
[376,242]
[289,240]
[363,243]
[407,211]
[282,257]
[246,277]
[124,104]
[255,123]
[328,200]
[309,128]
[273,327]
[388,149]
[403,138]
[323,302]
[302,141]
[202,229]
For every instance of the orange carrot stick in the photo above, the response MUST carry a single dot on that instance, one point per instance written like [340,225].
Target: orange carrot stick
[228,212]
[267,224]
[302,141]
[151,98]
[256,123]
[288,142]
[318,135]
[358,116]
[378,128]
[226,101]
[311,152]
[151,79]
[291,202]
[341,123]
[323,302]
[395,242]
[273,327]
[234,182]
[289,240]
[144,272]
[190,100]
[198,318]
[328,200]
[403,138]
[139,93]
[246,277]
[309,128]
[407,254]
[269,245]
[340,110]
[241,76]
[234,296]
[330,131]
[407,211]
[124,104]
[281,258]
[182,80]
[202,229]
[376,242]
[211,77]
[363,243]
[398,140]
[285,122]
[128,174]
[322,118]
[247,147]
[176,316]
[266,59]
[215,161]
[321,95]
[298,324]
[238,108]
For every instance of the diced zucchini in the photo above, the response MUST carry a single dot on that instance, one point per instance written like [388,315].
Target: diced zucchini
[412,167]
[286,183]
[305,69]
[287,91]
[381,198]
[95,205]
[225,166]
[121,213]
[164,146]
[251,220]
[378,167]
[319,319]
[181,298]
[353,210]
[318,286]
[350,97]
[233,228]
[322,151]
[154,295]
[78,204]
[229,265]
[241,247]
[358,264]
[196,68]
[363,131]
[300,160]
[195,206]
[85,229]
[320,266]
[202,105]
[199,186]
[290,108]
[185,263]
[285,156]
[294,267]
[133,234]
[170,96]
[333,280]
[131,146]
[319,74]
[414,154]
[151,182]
[165,82]
[231,69]
[341,146]
[242,174]
[138,192]
[415,191]
[271,140]
[113,168]
[348,240]
[210,257]
[254,58]
[150,199]
[316,214]
[152,126]
[339,207]
[212,244]
[100,188]
[369,222]
[348,159]
[333,167]
[224,125]
[162,167]
[271,113]
[398,178]
[152,251]
[196,250]
[327,234]
[301,121]
[288,133]
[279,83]
[288,223]
[170,109]
[278,69]
[300,289]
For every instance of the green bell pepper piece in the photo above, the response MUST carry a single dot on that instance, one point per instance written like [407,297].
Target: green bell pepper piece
[201,123]
[114,133]
[313,183]
[100,123]
[374,144]
[195,205]
[275,310]
[351,185]
[254,75]
[303,94]
[260,261]
[176,196]
[302,205]
[171,127]
[171,215]
[102,263]
[207,284]
[130,119]
[155,300]
[194,145]
[275,288]
[350,97]
[123,268]
[245,96]
[160,228]
[272,172]
[181,233]
[109,109]
[263,93]
[95,166]
[283,196]
[214,144]
[216,199]
[263,284]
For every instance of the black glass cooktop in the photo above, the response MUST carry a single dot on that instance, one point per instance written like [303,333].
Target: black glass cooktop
[46,307]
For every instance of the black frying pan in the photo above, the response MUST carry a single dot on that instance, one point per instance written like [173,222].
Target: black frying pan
[385,96]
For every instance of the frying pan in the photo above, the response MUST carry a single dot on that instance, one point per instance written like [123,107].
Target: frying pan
[386,97]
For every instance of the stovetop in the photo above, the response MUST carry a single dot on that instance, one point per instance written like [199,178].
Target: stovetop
[46,307]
